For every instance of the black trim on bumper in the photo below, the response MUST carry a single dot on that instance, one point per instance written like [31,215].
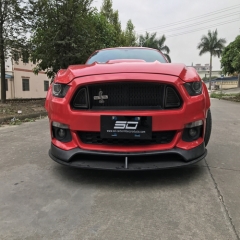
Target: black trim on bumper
[80,158]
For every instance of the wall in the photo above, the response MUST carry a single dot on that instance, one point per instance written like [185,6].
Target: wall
[226,84]
[202,73]
[19,71]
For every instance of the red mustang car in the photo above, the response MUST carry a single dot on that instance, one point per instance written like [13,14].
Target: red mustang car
[128,109]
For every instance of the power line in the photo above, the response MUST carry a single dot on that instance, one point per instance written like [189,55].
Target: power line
[194,18]
[199,23]
[189,19]
[203,28]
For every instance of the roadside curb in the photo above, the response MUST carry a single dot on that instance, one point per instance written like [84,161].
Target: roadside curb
[21,117]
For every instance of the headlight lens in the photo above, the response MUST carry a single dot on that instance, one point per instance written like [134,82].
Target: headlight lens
[59,90]
[194,88]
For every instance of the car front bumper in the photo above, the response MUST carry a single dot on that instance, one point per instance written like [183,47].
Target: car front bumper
[131,161]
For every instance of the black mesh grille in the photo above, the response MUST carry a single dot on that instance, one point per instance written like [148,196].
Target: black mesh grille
[157,138]
[127,95]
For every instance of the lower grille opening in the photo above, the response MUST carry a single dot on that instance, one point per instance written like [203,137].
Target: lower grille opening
[132,159]
[162,137]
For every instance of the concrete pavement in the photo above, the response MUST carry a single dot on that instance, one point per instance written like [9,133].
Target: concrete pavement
[40,199]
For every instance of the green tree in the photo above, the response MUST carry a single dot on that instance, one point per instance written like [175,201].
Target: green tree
[164,48]
[210,43]
[151,41]
[129,35]
[104,32]
[107,9]
[113,18]
[61,35]
[13,27]
[230,61]
[66,32]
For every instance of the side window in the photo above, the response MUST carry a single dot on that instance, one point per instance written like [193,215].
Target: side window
[46,85]
[25,84]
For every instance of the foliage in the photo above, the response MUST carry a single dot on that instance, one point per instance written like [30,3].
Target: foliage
[15,121]
[231,97]
[13,25]
[230,61]
[130,38]
[112,17]
[207,78]
[62,33]
[66,32]
[103,32]
[151,41]
[210,43]
[107,10]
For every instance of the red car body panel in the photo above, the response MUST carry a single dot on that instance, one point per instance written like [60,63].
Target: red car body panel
[189,74]
[193,108]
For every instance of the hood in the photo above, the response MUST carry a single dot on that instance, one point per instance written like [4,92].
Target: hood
[187,74]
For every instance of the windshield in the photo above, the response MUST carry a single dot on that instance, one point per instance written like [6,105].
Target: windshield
[148,55]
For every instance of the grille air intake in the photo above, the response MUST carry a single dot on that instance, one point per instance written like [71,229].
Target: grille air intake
[80,99]
[172,98]
[163,137]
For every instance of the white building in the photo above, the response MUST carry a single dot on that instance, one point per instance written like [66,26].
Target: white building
[21,82]
[204,71]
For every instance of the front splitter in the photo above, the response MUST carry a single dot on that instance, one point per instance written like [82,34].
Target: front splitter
[128,161]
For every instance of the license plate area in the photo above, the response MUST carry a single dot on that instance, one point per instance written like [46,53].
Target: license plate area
[126,127]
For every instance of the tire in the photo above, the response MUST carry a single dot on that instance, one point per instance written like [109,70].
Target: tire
[208,127]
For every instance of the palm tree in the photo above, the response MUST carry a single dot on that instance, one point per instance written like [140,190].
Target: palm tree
[210,43]
[151,40]
[164,48]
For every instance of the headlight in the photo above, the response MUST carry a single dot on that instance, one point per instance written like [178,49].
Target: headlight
[194,88]
[59,90]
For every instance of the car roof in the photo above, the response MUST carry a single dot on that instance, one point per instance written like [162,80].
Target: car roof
[113,48]
[127,48]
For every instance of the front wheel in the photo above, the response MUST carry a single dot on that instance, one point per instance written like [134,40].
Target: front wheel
[208,127]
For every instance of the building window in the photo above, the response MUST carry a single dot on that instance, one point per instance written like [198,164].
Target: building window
[46,85]
[6,84]
[25,84]
[25,57]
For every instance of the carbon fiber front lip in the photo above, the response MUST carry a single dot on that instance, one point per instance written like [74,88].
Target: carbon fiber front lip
[175,157]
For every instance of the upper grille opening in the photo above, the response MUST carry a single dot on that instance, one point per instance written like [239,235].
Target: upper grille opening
[126,96]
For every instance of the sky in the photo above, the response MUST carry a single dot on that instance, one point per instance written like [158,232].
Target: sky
[183,22]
